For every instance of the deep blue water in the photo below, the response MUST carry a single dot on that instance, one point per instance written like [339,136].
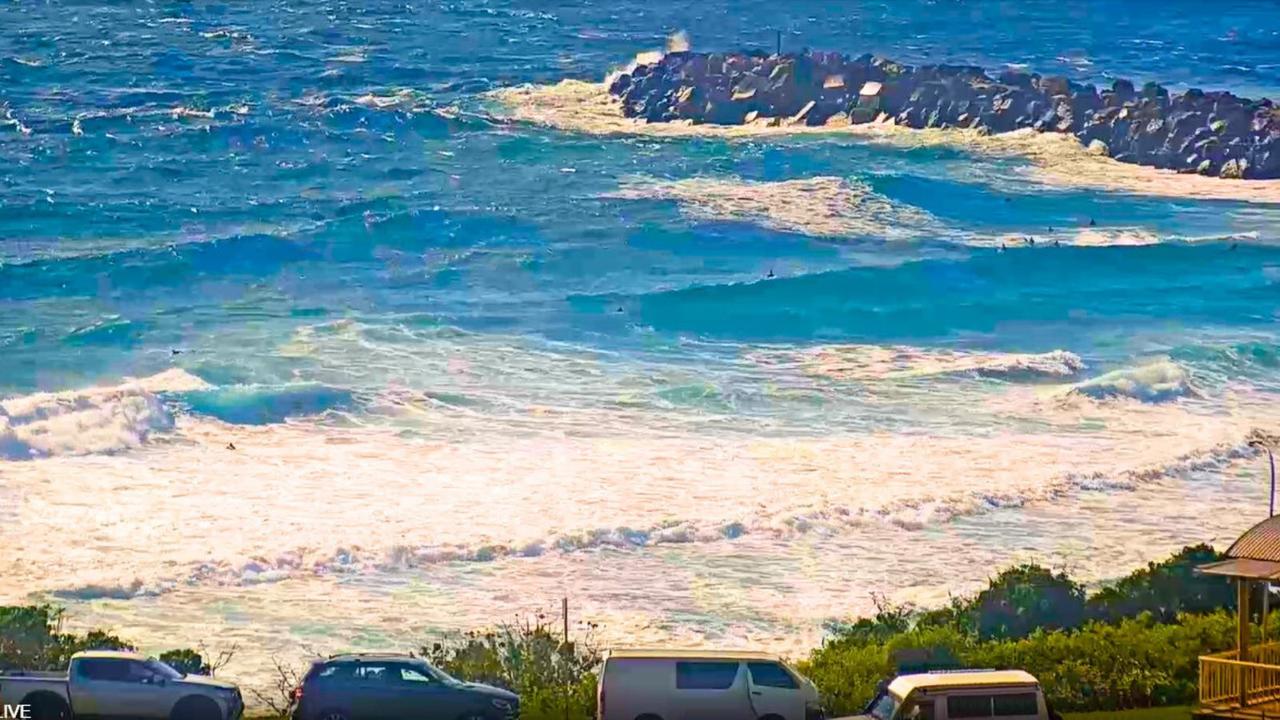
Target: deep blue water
[132,227]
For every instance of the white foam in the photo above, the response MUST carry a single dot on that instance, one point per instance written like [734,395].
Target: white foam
[403,99]
[823,206]
[898,362]
[92,420]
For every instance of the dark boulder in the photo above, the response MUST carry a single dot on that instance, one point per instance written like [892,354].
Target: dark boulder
[1214,133]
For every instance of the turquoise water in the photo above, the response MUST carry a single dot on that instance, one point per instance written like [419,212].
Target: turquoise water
[142,232]
[321,234]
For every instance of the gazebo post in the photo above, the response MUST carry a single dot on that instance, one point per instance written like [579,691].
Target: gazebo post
[1242,636]
[1247,677]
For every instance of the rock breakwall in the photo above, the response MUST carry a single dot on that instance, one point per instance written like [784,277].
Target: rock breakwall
[1210,133]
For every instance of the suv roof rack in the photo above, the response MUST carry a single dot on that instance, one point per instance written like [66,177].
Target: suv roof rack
[358,655]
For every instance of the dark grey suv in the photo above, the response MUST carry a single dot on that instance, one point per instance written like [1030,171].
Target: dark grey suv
[396,687]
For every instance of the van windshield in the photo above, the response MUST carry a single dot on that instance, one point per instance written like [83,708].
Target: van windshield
[883,707]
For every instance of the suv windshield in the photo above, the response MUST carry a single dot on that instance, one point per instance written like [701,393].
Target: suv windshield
[439,674]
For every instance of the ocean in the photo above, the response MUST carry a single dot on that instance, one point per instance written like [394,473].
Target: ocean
[341,325]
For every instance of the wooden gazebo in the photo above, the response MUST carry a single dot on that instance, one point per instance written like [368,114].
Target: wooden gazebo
[1245,682]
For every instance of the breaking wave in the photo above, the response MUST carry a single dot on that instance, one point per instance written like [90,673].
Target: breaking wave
[93,420]
[1153,383]
[898,362]
[263,404]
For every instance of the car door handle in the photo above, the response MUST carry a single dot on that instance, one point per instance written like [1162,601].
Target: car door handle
[756,692]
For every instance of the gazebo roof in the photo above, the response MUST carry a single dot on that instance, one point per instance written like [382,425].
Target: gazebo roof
[1255,555]
[1260,542]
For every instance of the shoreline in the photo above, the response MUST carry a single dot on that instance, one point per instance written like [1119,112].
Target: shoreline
[816,658]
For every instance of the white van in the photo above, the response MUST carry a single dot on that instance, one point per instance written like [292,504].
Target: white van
[702,685]
[977,694]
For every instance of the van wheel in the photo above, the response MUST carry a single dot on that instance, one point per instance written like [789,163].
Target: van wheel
[195,707]
[772,717]
[649,717]
[47,706]
[332,714]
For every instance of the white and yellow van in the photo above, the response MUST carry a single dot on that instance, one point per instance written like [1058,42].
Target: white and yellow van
[702,685]
[968,694]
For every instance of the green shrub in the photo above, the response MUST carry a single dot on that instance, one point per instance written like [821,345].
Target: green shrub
[186,660]
[554,679]
[1136,662]
[1166,589]
[1026,598]
[31,639]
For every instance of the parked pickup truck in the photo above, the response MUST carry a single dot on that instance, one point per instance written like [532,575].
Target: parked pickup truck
[105,684]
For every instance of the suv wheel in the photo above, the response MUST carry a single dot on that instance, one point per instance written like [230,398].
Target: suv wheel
[332,715]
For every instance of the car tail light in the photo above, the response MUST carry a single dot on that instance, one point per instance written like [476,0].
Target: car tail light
[296,694]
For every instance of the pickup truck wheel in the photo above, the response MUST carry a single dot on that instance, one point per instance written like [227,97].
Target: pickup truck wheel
[196,707]
[47,706]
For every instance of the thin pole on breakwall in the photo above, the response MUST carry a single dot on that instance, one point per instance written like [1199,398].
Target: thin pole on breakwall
[779,37]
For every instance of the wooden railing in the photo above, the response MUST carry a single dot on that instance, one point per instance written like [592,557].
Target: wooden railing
[1226,680]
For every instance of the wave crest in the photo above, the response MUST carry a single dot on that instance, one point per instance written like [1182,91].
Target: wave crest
[92,420]
[898,362]
[1157,382]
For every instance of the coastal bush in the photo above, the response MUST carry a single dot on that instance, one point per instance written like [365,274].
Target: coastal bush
[1026,598]
[1166,589]
[186,661]
[31,638]
[1133,643]
[554,679]
[1136,662]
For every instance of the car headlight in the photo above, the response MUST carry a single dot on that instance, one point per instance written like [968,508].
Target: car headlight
[501,704]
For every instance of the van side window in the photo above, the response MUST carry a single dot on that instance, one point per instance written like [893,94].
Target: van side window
[705,675]
[767,674]
[1020,704]
[969,706]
